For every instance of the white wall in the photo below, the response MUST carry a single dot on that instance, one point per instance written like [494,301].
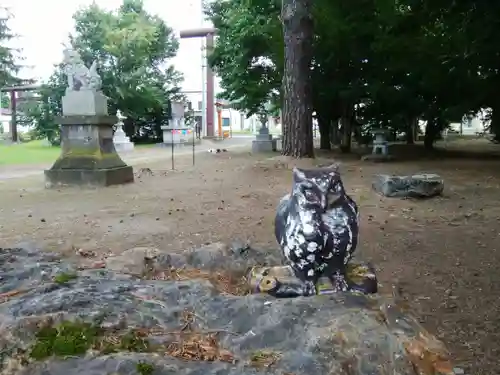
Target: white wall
[472,126]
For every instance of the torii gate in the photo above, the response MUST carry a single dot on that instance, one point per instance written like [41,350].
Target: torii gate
[208,34]
[13,105]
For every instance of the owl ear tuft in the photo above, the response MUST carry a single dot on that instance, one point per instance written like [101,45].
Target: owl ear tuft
[298,175]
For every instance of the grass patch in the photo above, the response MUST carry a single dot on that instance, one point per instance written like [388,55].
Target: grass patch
[33,152]
[144,368]
[264,358]
[64,277]
[65,339]
[75,338]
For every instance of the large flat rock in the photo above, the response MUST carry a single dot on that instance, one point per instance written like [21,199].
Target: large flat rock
[414,186]
[182,318]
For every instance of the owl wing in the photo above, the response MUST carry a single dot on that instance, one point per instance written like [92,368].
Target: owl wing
[340,230]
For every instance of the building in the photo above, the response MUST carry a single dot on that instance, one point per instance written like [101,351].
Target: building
[470,125]
[231,118]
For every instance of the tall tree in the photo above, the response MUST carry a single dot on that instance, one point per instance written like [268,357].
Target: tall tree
[9,66]
[133,49]
[297,111]
[250,76]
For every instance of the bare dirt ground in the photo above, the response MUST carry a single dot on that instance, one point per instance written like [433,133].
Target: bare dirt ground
[443,252]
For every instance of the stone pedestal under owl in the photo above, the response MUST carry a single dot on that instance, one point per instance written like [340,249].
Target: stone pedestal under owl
[316,226]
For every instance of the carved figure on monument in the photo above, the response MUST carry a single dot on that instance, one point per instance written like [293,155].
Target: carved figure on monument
[80,77]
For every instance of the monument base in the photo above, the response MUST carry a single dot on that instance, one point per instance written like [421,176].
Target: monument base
[88,155]
[268,145]
[124,147]
[88,177]
[377,158]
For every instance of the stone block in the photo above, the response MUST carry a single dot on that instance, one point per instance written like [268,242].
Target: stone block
[263,146]
[84,103]
[124,147]
[88,155]
[263,137]
[415,186]
[88,177]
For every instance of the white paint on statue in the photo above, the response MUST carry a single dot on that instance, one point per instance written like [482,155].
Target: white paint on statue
[83,95]
[120,139]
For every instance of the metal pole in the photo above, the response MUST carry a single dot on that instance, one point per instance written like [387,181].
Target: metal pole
[203,91]
[172,147]
[193,148]
[13,116]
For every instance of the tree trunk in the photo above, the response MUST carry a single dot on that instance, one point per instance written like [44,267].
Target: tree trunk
[431,132]
[495,123]
[335,132]
[346,123]
[324,126]
[297,108]
[410,130]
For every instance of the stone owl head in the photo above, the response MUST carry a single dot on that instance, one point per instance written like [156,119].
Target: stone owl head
[317,188]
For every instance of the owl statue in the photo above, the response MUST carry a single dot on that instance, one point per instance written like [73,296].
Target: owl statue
[316,226]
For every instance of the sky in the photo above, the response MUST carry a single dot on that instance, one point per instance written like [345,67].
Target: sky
[43,27]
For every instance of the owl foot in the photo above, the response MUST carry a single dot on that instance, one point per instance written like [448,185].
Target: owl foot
[339,282]
[308,288]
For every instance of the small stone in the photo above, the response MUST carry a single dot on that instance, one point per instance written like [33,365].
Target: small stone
[133,261]
[458,371]
[132,215]
[30,215]
[121,221]
[157,219]
[42,220]
[86,253]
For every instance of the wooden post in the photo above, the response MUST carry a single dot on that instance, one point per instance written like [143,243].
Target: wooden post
[209,43]
[219,119]
[13,116]
[208,34]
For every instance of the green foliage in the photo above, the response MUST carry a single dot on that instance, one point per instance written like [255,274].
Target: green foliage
[75,338]
[387,61]
[66,339]
[9,66]
[42,113]
[132,49]
[144,368]
[64,277]
[4,100]
[248,54]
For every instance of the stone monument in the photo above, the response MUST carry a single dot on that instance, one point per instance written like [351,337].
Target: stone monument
[88,156]
[380,151]
[120,139]
[176,132]
[263,141]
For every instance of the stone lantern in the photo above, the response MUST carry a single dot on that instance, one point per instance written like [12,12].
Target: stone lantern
[264,141]
[120,139]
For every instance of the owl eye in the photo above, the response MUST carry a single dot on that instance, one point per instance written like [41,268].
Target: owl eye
[309,194]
